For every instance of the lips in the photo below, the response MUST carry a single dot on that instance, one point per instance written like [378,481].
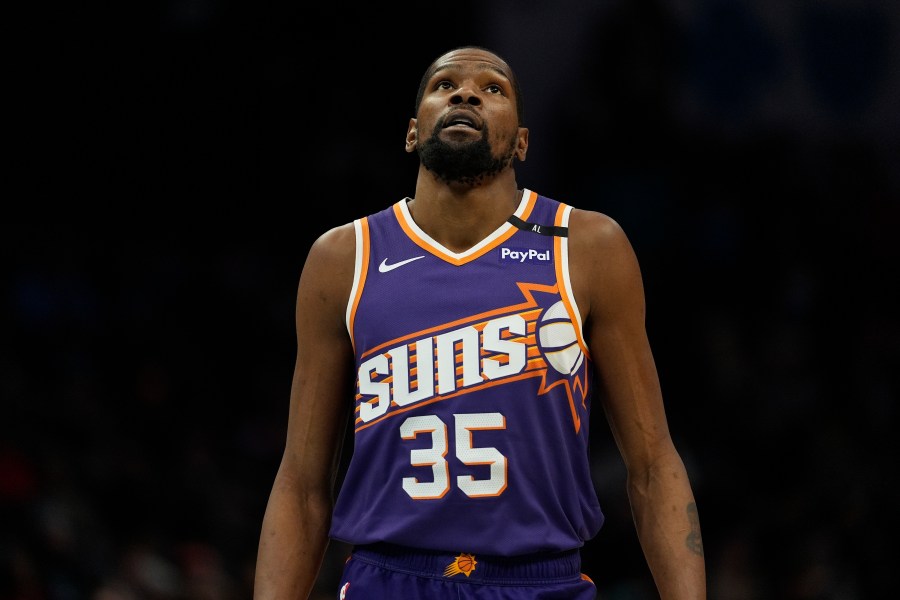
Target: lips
[463,118]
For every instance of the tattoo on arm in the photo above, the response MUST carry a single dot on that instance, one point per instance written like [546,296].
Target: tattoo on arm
[693,540]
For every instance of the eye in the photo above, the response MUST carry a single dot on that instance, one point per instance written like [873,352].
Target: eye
[444,85]
[494,89]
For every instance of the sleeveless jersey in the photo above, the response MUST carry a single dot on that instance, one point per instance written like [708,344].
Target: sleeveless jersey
[473,390]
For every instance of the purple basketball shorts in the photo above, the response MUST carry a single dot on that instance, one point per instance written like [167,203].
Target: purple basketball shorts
[386,572]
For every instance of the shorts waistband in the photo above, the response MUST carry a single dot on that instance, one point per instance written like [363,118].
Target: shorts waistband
[463,566]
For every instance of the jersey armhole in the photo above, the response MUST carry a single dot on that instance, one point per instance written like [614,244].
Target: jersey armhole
[360,270]
[561,246]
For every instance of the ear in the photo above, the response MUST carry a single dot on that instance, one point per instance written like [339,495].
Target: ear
[411,136]
[522,143]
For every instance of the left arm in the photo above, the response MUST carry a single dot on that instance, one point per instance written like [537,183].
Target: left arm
[609,289]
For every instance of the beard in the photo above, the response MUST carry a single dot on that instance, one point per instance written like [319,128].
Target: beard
[466,163]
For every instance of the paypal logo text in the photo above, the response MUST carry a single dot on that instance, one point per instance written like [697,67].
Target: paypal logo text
[523,255]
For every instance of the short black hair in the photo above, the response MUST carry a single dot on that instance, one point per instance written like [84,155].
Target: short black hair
[520,101]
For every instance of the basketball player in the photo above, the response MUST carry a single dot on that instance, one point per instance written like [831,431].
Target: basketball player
[463,329]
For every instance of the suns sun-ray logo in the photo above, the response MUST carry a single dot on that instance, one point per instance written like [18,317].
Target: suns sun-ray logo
[465,563]
[529,339]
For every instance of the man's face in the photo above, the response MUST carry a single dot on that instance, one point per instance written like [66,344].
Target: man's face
[467,125]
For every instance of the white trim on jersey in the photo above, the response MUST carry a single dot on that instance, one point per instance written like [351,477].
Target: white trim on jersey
[357,273]
[520,210]
[566,280]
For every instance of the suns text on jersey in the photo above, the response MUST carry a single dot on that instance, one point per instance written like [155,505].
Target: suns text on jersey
[441,364]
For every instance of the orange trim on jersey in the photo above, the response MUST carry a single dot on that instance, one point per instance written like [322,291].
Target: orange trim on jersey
[543,389]
[458,392]
[531,364]
[454,260]
[530,302]
[569,302]
[561,278]
[535,361]
[363,272]
[536,366]
[579,382]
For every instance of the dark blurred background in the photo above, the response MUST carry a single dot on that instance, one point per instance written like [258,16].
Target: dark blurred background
[179,160]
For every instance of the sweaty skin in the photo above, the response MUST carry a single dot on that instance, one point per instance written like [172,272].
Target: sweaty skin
[458,207]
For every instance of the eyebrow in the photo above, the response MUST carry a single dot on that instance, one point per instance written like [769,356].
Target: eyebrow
[482,67]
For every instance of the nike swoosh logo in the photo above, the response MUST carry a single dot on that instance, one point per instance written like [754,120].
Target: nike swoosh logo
[384,267]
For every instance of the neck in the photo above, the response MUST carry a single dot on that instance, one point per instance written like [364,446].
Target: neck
[458,216]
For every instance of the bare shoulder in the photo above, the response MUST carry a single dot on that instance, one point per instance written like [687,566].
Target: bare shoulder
[589,229]
[602,262]
[328,271]
[597,243]
[335,246]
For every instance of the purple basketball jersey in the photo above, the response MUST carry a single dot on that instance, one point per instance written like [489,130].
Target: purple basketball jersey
[473,390]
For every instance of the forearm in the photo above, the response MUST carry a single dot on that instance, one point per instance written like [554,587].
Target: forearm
[292,543]
[668,527]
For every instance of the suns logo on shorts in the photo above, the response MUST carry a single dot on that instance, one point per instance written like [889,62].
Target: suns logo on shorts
[464,563]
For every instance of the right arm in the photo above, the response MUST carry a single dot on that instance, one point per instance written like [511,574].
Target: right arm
[295,527]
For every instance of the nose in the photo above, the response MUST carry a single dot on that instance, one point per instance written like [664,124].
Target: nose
[466,94]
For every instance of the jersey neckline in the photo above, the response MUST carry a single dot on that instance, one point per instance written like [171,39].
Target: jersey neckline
[493,239]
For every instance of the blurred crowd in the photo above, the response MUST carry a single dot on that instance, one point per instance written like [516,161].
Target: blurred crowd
[750,150]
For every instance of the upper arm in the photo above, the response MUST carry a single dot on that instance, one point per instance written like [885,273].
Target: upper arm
[607,281]
[322,380]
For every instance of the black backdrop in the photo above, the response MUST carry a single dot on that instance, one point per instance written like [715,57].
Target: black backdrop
[179,160]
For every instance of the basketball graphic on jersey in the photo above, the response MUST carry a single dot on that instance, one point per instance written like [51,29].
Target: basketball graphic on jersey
[558,340]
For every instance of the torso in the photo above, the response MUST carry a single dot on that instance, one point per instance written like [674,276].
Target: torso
[473,390]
